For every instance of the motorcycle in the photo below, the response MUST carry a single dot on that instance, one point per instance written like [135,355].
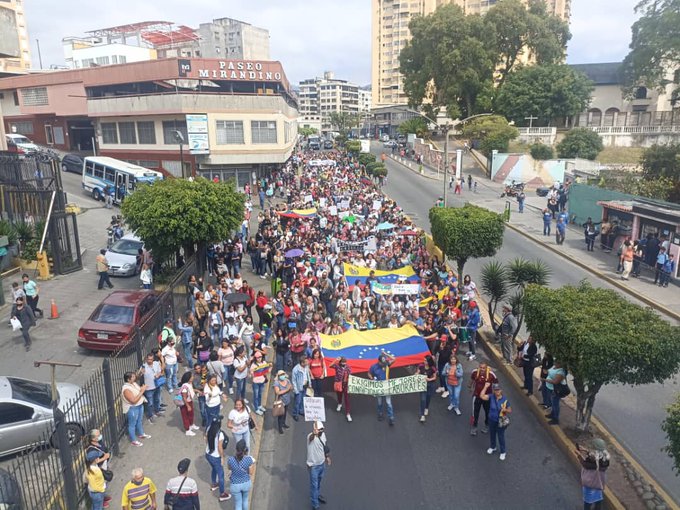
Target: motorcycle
[512,190]
[114,231]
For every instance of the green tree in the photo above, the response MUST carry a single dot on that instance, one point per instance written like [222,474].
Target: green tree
[175,213]
[416,125]
[521,273]
[343,121]
[661,161]
[307,131]
[515,29]
[353,146]
[601,338]
[580,143]
[655,46]
[540,151]
[447,63]
[547,92]
[671,426]
[494,286]
[468,231]
[493,131]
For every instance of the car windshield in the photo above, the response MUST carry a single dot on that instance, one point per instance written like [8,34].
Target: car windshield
[31,391]
[114,314]
[21,139]
[126,247]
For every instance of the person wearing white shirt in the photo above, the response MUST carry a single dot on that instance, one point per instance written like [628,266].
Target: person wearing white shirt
[241,372]
[170,356]
[238,423]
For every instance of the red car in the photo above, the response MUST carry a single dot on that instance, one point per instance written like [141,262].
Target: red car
[112,323]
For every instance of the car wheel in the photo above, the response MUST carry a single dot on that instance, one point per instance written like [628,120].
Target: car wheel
[74,433]
[64,168]
[96,195]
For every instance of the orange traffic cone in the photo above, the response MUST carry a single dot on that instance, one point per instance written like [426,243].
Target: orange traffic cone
[54,313]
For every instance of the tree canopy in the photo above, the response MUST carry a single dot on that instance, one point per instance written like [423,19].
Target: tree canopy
[661,169]
[343,121]
[493,131]
[465,232]
[416,125]
[580,143]
[601,338]
[671,426]
[175,213]
[452,59]
[546,92]
[654,47]
[306,131]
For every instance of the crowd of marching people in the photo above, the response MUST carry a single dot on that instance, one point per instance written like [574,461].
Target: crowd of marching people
[316,217]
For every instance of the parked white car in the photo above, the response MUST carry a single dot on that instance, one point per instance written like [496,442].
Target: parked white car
[122,256]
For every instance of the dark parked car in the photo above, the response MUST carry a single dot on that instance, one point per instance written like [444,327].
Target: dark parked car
[542,191]
[72,163]
[113,322]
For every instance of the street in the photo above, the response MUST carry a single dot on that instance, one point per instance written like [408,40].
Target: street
[643,406]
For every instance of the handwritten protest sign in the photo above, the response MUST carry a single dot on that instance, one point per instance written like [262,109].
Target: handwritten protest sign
[314,409]
[409,384]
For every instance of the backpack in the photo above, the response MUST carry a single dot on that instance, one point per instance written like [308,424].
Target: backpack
[163,341]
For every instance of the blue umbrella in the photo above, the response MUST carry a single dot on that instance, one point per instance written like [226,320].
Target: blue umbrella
[295,252]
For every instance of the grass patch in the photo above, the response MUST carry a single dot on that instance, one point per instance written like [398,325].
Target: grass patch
[517,147]
[620,155]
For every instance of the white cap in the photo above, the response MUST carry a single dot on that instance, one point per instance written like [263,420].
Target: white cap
[318,424]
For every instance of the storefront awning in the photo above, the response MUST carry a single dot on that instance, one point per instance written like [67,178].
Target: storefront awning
[617,205]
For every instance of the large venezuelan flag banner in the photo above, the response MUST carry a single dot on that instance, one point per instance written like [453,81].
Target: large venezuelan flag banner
[362,348]
[353,273]
[298,213]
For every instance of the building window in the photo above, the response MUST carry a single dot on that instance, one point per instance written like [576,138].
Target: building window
[641,93]
[22,127]
[87,62]
[114,59]
[263,131]
[169,128]
[146,132]
[35,97]
[103,61]
[229,132]
[122,59]
[109,132]
[127,132]
[15,95]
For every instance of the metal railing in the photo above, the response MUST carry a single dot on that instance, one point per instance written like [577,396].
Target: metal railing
[48,475]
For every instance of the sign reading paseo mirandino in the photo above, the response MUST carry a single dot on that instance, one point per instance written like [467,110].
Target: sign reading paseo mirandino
[242,70]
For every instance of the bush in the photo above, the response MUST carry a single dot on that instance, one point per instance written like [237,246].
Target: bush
[580,143]
[540,151]
[366,157]
[353,146]
[380,171]
[6,229]
[370,168]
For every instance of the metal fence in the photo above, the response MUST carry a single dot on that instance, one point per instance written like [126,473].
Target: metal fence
[48,476]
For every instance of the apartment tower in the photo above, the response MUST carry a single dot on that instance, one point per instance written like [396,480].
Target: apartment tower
[390,19]
[14,37]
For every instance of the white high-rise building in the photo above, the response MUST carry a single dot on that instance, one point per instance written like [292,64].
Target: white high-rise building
[319,97]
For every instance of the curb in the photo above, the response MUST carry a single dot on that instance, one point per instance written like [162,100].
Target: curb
[556,433]
[616,283]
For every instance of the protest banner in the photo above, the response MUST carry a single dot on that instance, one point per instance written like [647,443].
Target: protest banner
[314,408]
[381,289]
[344,204]
[309,199]
[409,384]
[408,289]
[333,210]
[377,204]
[359,246]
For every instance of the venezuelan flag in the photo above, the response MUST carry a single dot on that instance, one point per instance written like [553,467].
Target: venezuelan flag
[353,273]
[298,213]
[362,348]
[440,295]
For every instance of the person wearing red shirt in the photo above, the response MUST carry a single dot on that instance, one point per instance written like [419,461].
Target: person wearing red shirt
[478,383]
[317,368]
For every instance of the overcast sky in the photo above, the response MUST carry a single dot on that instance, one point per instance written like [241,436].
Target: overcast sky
[308,37]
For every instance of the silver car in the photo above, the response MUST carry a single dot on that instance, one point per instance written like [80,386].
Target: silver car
[122,256]
[26,416]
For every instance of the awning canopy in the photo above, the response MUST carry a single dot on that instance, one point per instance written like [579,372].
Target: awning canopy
[618,205]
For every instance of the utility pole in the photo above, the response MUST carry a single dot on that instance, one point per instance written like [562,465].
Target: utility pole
[446,128]
[37,42]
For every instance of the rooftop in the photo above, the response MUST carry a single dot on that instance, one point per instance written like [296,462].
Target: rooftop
[602,73]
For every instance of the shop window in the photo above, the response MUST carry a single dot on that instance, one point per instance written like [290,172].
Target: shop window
[146,132]
[127,133]
[109,132]
[169,128]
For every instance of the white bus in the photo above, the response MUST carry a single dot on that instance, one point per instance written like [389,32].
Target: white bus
[102,174]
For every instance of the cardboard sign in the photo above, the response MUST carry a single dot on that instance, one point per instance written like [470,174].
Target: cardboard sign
[309,198]
[314,408]
[405,289]
[333,210]
[409,384]
[377,204]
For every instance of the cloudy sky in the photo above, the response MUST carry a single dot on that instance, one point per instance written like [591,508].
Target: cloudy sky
[308,37]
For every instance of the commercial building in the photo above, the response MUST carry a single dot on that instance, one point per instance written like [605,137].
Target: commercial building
[390,33]
[319,97]
[15,47]
[147,40]
[220,118]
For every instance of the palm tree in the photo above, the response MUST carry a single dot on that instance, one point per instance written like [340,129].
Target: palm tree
[520,273]
[494,286]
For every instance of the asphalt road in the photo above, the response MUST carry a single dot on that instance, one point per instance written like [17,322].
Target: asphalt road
[434,465]
[632,414]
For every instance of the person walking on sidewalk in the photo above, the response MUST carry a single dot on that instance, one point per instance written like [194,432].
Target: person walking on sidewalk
[627,255]
[380,372]
[499,408]
[242,468]
[340,384]
[520,201]
[31,290]
[318,457]
[453,372]
[25,316]
[181,492]
[133,407]
[187,396]
[103,270]
[469,182]
[139,493]
[506,330]
[216,442]
[547,221]
[560,230]
[478,385]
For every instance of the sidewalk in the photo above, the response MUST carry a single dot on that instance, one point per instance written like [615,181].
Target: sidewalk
[530,224]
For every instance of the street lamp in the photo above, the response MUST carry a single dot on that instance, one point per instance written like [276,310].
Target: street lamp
[179,138]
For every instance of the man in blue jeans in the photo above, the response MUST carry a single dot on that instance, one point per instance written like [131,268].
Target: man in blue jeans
[318,456]
[301,379]
[380,372]
[152,371]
